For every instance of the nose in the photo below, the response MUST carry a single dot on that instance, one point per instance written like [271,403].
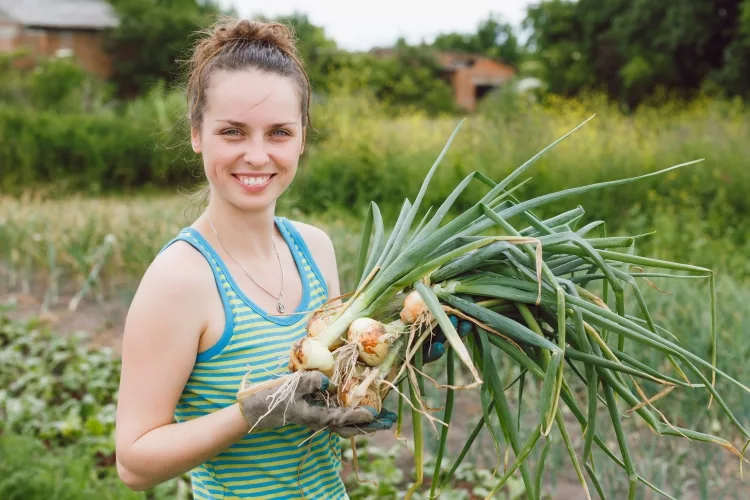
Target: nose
[255,152]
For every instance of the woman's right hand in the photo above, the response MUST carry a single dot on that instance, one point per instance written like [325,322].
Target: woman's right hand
[305,410]
[301,409]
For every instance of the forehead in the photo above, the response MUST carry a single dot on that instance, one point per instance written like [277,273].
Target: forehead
[251,96]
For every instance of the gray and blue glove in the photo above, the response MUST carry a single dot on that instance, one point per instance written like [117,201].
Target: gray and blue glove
[434,347]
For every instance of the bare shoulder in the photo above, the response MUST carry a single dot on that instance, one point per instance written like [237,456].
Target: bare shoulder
[322,250]
[314,236]
[176,279]
[179,270]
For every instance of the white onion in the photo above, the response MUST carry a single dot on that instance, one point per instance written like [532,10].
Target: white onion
[370,337]
[414,307]
[311,354]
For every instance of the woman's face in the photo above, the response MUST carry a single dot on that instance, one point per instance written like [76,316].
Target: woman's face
[251,137]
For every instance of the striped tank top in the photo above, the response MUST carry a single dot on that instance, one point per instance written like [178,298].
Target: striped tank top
[281,463]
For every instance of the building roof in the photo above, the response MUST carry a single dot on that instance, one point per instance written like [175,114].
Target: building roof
[71,14]
[451,60]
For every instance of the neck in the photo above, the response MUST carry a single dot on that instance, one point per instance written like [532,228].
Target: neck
[247,236]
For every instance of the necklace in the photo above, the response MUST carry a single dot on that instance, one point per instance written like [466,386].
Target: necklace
[279,305]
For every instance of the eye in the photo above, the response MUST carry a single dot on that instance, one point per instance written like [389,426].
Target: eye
[280,132]
[231,132]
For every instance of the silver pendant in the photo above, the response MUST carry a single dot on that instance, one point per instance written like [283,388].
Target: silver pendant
[281,308]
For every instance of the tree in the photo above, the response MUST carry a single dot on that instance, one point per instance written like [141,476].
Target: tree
[632,49]
[493,38]
[732,77]
[411,76]
[152,36]
[556,41]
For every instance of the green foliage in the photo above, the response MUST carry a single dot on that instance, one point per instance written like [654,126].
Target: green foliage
[142,146]
[411,77]
[57,417]
[30,470]
[378,477]
[493,38]
[56,389]
[56,84]
[152,36]
[637,50]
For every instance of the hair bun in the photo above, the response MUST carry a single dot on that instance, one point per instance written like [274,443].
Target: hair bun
[270,33]
[236,44]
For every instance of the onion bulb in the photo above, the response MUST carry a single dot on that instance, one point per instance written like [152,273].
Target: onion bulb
[317,325]
[371,339]
[310,354]
[360,390]
[414,307]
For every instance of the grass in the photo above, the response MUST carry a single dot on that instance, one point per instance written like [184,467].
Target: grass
[48,243]
[51,241]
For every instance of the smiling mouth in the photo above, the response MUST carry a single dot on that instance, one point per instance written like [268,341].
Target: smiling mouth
[254,180]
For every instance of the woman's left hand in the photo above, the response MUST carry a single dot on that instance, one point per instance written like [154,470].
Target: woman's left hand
[434,347]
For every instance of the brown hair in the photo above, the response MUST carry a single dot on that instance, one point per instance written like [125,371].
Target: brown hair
[234,45]
[238,44]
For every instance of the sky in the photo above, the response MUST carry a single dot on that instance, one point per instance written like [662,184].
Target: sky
[357,25]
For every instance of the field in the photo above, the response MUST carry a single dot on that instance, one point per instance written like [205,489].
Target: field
[73,262]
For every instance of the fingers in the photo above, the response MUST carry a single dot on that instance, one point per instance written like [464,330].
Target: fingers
[336,417]
[311,382]
[387,415]
[432,352]
[465,328]
[383,422]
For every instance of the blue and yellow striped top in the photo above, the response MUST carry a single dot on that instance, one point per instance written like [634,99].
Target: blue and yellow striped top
[282,463]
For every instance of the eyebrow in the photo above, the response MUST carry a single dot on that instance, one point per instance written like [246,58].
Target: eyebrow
[241,125]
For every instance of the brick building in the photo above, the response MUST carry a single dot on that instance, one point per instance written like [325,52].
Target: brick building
[472,76]
[58,27]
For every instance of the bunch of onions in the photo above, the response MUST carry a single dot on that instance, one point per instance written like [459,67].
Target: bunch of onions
[530,307]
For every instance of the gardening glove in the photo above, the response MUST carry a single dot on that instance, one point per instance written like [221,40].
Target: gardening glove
[434,347]
[302,409]
[382,422]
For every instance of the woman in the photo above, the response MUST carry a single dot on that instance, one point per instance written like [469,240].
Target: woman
[229,295]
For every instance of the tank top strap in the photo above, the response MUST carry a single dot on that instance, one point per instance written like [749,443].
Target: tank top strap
[304,252]
[192,237]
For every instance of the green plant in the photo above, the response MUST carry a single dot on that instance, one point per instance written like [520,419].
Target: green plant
[57,417]
[378,476]
[32,470]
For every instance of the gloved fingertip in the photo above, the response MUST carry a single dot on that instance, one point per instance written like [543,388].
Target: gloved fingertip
[371,410]
[388,414]
[453,319]
[435,352]
[465,328]
[324,382]
[386,423]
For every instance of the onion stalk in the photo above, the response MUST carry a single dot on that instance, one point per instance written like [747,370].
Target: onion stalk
[520,297]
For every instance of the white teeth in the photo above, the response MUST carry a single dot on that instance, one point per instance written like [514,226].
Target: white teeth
[254,181]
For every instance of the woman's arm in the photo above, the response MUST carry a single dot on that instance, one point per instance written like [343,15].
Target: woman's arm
[160,343]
